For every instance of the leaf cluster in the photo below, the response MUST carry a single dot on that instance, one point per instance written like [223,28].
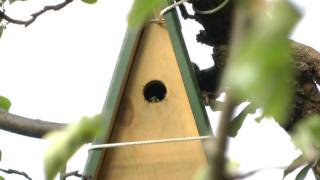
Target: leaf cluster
[260,70]
[260,66]
[64,143]
[306,137]
[5,104]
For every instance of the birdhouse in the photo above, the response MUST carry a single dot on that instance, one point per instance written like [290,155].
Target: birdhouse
[153,96]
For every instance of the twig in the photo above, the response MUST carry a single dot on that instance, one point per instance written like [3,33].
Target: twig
[74,173]
[62,173]
[251,173]
[26,126]
[218,161]
[35,15]
[12,171]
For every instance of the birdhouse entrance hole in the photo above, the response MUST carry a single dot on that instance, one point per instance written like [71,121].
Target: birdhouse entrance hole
[154,91]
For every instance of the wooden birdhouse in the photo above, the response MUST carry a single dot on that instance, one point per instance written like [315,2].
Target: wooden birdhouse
[153,95]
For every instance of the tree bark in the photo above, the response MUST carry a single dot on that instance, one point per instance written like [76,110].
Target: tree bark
[27,127]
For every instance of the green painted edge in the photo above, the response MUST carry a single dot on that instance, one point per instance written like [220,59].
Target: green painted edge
[120,76]
[187,73]
[113,99]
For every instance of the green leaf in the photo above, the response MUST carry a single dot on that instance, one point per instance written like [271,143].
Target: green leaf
[233,167]
[261,67]
[2,178]
[303,173]
[316,169]
[62,173]
[0,155]
[237,122]
[259,118]
[202,173]
[216,105]
[89,1]
[64,143]
[306,136]
[1,29]
[4,103]
[141,10]
[12,1]
[298,162]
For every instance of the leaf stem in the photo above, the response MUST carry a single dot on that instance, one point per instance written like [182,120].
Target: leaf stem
[218,160]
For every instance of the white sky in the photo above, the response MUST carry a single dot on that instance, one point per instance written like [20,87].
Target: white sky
[59,69]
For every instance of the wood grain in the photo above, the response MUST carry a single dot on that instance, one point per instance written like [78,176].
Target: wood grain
[139,119]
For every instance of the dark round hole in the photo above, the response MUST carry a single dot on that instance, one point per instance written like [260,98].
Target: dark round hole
[154,91]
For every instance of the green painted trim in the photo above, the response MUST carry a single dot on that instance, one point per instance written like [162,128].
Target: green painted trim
[187,73]
[120,76]
[111,105]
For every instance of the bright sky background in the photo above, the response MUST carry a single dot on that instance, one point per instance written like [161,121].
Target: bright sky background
[60,67]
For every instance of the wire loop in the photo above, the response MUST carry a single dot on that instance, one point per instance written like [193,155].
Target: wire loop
[211,11]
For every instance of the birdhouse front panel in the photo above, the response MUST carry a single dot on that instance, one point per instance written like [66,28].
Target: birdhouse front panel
[154,106]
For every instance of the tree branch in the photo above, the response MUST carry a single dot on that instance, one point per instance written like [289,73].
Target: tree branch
[218,160]
[35,15]
[251,173]
[74,173]
[12,171]
[26,126]
[38,128]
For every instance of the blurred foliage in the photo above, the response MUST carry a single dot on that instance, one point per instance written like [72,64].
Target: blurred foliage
[297,163]
[1,29]
[260,70]
[306,137]
[90,1]
[141,10]
[304,171]
[261,67]
[316,170]
[64,143]
[300,162]
[237,122]
[5,104]
[62,173]
[233,167]
[10,1]
[202,173]
[216,105]
[1,178]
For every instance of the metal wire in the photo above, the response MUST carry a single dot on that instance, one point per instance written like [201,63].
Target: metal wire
[158,141]
[165,10]
[170,7]
[211,11]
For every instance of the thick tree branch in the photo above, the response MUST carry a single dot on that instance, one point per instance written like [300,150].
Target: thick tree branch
[306,58]
[35,15]
[26,126]
[307,66]
[12,171]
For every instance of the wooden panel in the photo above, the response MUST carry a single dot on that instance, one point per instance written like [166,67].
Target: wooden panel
[113,98]
[139,119]
[188,75]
